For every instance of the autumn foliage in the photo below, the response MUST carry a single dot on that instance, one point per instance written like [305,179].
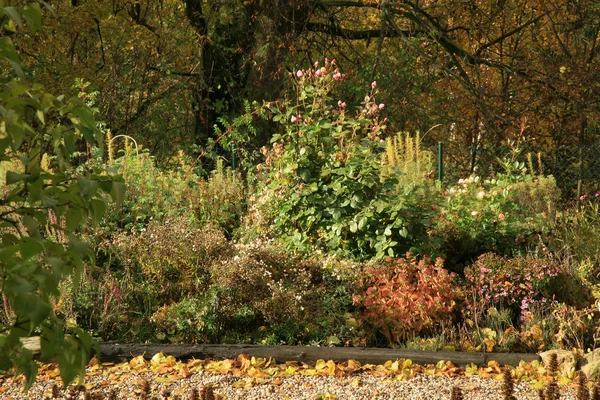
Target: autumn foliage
[406,296]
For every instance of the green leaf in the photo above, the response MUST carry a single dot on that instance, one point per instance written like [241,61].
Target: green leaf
[33,15]
[30,306]
[69,360]
[73,218]
[40,115]
[77,246]
[118,192]
[29,368]
[13,177]
[98,210]
[88,134]
[14,15]
[30,247]
[18,284]
[17,68]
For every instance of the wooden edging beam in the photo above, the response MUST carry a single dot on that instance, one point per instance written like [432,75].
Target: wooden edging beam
[116,352]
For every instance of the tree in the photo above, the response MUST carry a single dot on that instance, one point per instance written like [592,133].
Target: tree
[45,197]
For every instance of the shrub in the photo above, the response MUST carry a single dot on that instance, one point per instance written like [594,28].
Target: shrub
[538,198]
[325,182]
[481,216]
[173,256]
[513,283]
[576,239]
[191,320]
[260,293]
[271,282]
[221,199]
[405,297]
[155,195]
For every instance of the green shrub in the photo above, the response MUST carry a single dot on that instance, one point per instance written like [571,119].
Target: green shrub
[272,283]
[481,216]
[155,195]
[221,199]
[538,198]
[576,239]
[326,187]
[191,320]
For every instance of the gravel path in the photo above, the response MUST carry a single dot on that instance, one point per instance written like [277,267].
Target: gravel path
[356,386]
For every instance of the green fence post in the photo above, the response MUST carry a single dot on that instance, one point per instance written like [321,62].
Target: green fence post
[233,156]
[440,161]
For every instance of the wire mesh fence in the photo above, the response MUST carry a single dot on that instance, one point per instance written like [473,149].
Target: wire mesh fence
[576,168]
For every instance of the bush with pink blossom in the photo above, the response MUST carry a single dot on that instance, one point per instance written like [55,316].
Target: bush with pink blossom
[513,283]
[323,176]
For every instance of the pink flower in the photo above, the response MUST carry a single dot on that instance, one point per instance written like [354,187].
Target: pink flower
[341,104]
[296,119]
[318,72]
[299,74]
[501,217]
[381,106]
[316,64]
[373,84]
[337,76]
[582,198]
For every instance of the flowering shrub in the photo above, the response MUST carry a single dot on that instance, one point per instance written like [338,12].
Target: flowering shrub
[509,282]
[324,176]
[482,216]
[405,297]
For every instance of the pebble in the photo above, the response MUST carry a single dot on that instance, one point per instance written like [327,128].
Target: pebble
[359,386]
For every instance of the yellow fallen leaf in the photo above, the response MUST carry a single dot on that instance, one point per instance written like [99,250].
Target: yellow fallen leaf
[137,362]
[320,365]
[355,382]
[330,368]
[157,359]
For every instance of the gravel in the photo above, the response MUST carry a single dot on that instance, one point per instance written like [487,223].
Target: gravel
[358,386]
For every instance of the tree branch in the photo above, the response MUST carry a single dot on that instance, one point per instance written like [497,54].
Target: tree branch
[508,34]
[360,34]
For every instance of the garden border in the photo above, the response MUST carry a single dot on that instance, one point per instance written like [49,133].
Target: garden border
[118,352]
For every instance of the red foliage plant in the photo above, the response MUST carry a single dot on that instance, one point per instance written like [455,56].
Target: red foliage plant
[405,296]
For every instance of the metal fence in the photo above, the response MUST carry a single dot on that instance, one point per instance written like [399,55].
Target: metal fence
[576,168]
